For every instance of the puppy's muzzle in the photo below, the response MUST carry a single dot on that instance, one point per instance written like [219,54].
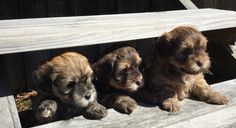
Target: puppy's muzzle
[87,96]
[140,81]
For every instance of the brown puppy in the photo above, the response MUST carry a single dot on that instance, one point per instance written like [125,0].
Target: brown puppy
[66,89]
[118,77]
[176,70]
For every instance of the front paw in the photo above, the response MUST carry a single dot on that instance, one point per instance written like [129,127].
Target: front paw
[46,112]
[171,105]
[125,105]
[95,111]
[217,98]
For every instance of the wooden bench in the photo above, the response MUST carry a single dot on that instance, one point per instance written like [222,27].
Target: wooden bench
[50,33]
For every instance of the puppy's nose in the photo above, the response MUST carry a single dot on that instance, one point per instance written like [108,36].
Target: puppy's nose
[87,96]
[199,63]
[138,82]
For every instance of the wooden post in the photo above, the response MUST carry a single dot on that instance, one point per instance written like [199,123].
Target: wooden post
[188,4]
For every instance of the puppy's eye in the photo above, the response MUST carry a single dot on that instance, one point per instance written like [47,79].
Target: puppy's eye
[187,51]
[136,65]
[71,84]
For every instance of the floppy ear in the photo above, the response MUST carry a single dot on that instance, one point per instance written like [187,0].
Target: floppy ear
[164,45]
[103,67]
[41,77]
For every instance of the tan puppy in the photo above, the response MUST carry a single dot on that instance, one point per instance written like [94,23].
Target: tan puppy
[118,78]
[66,89]
[176,70]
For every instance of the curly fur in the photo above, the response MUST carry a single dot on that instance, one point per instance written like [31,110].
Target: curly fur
[118,77]
[66,82]
[176,70]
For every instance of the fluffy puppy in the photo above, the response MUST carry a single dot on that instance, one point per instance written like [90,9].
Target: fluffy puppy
[176,70]
[66,90]
[118,78]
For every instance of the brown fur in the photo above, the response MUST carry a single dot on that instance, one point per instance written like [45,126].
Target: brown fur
[119,77]
[66,82]
[176,70]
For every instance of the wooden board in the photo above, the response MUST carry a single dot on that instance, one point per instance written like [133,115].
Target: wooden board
[8,114]
[188,4]
[48,33]
[194,114]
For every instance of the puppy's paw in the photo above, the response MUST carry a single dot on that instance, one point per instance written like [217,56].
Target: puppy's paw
[125,105]
[171,105]
[46,112]
[95,111]
[217,98]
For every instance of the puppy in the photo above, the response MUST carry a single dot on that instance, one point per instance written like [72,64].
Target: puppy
[118,78]
[176,70]
[66,90]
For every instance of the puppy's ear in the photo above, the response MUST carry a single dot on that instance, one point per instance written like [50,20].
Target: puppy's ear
[103,68]
[41,76]
[164,45]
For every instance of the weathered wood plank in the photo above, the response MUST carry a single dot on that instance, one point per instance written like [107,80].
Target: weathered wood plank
[8,114]
[193,114]
[48,33]
[188,4]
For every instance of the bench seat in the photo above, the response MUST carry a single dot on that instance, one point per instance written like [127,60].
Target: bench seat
[48,33]
[194,114]
[23,35]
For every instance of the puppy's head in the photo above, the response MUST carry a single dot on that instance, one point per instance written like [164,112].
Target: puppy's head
[68,77]
[185,48]
[120,69]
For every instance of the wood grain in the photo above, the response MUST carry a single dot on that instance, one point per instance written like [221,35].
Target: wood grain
[188,4]
[194,114]
[49,33]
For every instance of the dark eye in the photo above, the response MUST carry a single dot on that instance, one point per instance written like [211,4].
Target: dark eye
[187,51]
[71,84]
[136,65]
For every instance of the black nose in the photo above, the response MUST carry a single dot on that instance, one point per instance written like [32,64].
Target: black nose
[138,82]
[87,96]
[199,63]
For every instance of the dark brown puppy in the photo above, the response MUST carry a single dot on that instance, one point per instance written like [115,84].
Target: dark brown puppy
[176,70]
[66,89]
[118,78]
